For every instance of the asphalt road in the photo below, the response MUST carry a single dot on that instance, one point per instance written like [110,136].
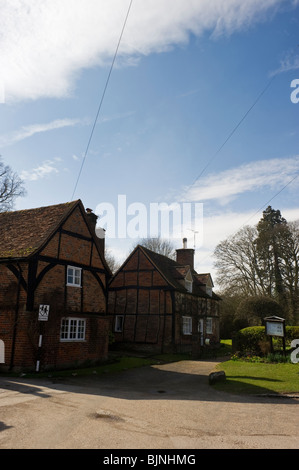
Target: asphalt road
[168,406]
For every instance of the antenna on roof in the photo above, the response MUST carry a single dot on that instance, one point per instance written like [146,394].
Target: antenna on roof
[194,233]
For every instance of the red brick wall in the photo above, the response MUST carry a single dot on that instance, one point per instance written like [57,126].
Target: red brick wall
[53,353]
[152,318]
[88,302]
[143,303]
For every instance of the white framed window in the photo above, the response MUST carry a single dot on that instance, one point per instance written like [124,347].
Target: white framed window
[209,291]
[74,276]
[119,323]
[188,285]
[187,325]
[72,329]
[209,325]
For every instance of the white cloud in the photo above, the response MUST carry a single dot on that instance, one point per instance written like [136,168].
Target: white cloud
[117,116]
[45,44]
[288,63]
[216,228]
[227,185]
[45,169]
[29,131]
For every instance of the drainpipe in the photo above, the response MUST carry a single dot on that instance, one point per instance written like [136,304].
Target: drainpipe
[173,326]
[16,319]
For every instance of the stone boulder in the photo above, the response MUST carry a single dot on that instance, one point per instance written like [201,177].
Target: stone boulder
[215,377]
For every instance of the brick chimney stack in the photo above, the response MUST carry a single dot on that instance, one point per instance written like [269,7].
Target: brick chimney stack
[92,219]
[185,256]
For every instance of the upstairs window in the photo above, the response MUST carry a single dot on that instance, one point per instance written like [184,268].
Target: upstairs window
[188,285]
[74,276]
[209,291]
[189,281]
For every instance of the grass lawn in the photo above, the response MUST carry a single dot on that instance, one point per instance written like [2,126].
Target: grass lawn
[259,378]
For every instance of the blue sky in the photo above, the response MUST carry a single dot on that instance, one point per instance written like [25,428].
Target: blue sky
[198,88]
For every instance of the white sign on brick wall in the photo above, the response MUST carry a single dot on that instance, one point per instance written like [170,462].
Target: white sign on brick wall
[43,313]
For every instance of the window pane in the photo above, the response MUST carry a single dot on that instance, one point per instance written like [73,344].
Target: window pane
[70,276]
[81,328]
[187,325]
[64,328]
[74,276]
[77,279]
[72,329]
[188,285]
[209,328]
[119,323]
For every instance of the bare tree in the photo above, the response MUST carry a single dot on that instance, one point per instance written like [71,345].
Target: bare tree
[158,245]
[262,261]
[237,264]
[113,264]
[11,187]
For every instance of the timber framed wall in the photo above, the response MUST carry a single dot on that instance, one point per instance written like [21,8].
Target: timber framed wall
[145,301]
[41,279]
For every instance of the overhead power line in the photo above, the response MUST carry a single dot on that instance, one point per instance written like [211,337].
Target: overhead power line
[259,210]
[273,197]
[233,131]
[102,98]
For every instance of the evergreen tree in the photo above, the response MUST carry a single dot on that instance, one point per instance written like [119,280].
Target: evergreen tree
[273,235]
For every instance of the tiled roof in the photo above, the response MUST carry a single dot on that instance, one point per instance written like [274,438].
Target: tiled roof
[205,278]
[24,232]
[173,272]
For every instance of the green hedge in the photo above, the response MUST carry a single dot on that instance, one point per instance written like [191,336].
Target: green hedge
[253,340]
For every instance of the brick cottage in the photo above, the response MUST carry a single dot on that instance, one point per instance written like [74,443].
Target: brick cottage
[161,305]
[53,288]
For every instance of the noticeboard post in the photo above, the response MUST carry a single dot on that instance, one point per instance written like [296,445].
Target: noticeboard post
[275,326]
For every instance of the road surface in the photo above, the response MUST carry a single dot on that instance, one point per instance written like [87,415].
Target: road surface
[167,406]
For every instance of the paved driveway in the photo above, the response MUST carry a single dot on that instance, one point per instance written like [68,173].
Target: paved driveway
[168,406]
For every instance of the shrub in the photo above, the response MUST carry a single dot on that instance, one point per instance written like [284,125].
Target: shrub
[247,340]
[292,332]
[254,341]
